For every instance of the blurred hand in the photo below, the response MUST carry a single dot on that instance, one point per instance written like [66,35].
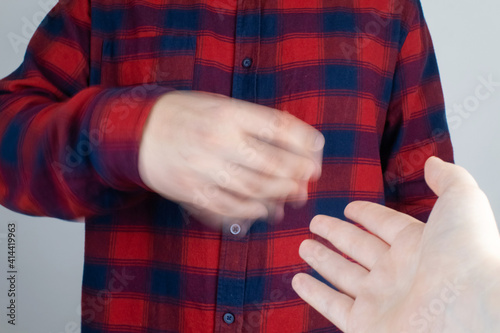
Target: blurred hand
[412,277]
[226,160]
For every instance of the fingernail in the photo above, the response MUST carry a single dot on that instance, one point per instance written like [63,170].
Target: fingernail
[319,142]
[318,228]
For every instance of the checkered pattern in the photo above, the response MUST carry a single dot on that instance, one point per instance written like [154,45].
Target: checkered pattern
[363,72]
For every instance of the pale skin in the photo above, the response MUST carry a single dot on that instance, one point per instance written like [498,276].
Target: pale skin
[412,277]
[227,161]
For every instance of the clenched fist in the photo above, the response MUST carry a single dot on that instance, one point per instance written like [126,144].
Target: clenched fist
[226,160]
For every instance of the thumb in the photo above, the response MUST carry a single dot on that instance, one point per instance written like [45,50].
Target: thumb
[442,176]
[466,209]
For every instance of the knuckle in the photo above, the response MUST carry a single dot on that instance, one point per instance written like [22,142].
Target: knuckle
[272,163]
[281,121]
[253,187]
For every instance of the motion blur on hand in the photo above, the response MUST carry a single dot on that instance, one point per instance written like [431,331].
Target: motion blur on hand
[228,161]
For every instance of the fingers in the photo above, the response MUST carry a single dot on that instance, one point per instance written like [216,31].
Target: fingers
[442,176]
[299,199]
[245,182]
[384,222]
[190,150]
[335,306]
[343,274]
[281,129]
[361,246]
[274,161]
[250,184]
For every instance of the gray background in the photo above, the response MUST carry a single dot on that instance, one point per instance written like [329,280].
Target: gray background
[50,252]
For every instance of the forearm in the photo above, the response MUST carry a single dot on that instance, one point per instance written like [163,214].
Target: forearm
[73,158]
[68,150]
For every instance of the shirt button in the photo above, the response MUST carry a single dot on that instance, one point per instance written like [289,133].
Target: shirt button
[247,62]
[228,318]
[235,229]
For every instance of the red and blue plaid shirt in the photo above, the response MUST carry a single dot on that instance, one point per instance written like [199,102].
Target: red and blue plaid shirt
[71,117]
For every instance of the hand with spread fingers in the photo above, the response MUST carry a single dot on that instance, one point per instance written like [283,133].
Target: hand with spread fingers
[409,276]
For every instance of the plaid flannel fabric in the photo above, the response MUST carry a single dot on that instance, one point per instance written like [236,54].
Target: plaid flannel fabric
[71,117]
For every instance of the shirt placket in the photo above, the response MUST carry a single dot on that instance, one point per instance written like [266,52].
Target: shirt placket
[231,283]
[246,54]
[234,246]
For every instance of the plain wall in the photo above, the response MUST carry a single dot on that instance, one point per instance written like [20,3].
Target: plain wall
[50,252]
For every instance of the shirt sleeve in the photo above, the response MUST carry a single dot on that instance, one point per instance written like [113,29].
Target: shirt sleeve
[68,150]
[416,126]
